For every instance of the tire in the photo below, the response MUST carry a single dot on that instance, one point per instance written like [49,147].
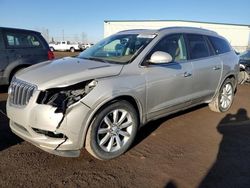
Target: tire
[224,98]
[112,131]
[52,49]
[72,49]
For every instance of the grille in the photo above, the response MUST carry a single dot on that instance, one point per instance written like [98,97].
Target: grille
[20,92]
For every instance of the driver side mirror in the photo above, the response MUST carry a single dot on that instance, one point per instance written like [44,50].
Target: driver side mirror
[160,57]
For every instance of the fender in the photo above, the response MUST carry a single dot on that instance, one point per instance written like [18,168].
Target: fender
[87,123]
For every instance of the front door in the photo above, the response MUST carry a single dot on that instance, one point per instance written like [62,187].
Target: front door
[169,86]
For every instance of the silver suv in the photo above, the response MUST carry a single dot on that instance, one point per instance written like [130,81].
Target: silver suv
[99,99]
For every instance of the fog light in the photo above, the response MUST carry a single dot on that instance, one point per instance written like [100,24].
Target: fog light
[49,133]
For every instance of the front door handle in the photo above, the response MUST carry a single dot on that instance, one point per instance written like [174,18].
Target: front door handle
[187,74]
[216,68]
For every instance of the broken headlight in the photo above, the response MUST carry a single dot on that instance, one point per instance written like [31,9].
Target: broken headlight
[62,98]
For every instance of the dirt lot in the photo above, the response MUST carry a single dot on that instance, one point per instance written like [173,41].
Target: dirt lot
[195,148]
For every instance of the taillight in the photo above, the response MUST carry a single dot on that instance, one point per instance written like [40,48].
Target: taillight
[51,55]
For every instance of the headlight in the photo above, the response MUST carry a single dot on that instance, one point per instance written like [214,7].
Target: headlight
[62,98]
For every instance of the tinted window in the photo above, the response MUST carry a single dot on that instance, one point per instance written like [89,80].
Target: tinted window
[220,46]
[197,46]
[21,40]
[174,45]
[245,55]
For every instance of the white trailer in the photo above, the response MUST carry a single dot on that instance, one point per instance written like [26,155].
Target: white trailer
[238,35]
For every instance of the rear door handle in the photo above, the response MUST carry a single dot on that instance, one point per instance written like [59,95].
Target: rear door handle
[216,68]
[187,74]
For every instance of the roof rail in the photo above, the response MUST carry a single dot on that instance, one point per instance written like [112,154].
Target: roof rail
[186,27]
[132,30]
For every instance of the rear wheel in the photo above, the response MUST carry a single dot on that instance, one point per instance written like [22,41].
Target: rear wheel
[112,131]
[224,99]
[72,49]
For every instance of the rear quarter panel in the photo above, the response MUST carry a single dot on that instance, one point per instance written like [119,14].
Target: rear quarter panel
[230,65]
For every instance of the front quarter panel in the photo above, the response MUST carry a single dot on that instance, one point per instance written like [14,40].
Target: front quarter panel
[110,88]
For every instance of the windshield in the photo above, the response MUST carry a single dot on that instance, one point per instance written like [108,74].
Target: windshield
[117,48]
[245,54]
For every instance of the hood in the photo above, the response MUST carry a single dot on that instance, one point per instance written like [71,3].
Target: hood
[66,71]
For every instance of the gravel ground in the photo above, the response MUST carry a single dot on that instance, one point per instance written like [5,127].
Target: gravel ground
[194,148]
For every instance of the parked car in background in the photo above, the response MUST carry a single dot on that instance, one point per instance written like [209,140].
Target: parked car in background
[99,99]
[64,46]
[86,46]
[244,63]
[19,49]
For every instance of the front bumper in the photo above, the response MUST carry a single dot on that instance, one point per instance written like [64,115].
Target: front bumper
[24,121]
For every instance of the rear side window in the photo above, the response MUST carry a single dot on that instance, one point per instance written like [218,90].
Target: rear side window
[197,46]
[220,46]
[21,40]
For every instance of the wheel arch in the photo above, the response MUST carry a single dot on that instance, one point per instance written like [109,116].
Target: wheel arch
[230,76]
[72,47]
[15,69]
[133,101]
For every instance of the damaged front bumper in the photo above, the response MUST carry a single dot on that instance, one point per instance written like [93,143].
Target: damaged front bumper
[38,124]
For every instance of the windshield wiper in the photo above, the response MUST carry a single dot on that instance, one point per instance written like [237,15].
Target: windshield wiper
[95,59]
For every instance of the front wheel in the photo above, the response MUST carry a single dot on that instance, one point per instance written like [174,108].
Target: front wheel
[112,131]
[224,99]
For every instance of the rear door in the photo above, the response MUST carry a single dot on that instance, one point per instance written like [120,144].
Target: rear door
[24,47]
[169,86]
[207,66]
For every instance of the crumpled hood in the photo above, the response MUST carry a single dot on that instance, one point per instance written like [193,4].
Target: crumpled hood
[66,71]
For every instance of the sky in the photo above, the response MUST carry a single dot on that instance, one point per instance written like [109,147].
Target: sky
[83,19]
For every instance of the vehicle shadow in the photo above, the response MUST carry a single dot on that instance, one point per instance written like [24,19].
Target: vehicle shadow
[170,184]
[7,138]
[150,127]
[232,166]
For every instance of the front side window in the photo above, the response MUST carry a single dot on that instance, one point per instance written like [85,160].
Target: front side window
[220,46]
[174,45]
[197,46]
[117,48]
[21,40]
